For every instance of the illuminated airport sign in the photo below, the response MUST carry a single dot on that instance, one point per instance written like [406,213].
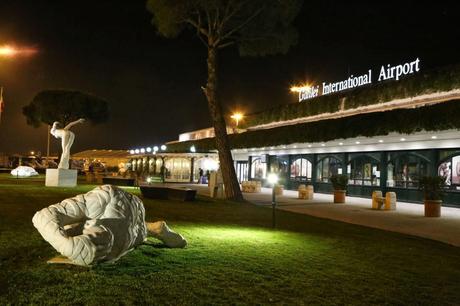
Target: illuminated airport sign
[386,72]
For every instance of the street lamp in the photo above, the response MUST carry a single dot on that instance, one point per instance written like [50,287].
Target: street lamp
[237,117]
[272,179]
[10,51]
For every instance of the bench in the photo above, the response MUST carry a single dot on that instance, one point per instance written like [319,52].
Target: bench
[387,203]
[279,189]
[306,192]
[119,181]
[168,193]
[251,186]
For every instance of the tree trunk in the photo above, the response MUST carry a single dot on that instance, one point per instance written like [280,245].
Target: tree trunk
[232,187]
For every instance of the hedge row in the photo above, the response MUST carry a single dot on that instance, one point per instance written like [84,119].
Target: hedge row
[437,117]
[444,79]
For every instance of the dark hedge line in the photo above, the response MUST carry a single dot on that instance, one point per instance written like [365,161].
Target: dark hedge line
[444,79]
[438,117]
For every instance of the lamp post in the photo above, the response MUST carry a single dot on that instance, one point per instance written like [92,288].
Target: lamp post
[272,178]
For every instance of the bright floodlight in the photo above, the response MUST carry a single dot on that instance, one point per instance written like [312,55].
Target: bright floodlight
[7,51]
[148,149]
[272,178]
[192,149]
[300,88]
[237,117]
[163,147]
[10,51]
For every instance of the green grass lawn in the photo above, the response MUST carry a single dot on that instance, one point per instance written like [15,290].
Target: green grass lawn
[233,257]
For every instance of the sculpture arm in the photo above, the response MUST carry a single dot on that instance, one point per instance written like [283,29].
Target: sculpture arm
[68,126]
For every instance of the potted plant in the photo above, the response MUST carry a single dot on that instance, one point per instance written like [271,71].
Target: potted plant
[340,183]
[433,192]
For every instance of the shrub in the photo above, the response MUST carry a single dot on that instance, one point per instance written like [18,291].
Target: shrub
[339,181]
[433,187]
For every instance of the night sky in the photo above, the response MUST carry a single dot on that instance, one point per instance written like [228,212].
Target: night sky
[110,48]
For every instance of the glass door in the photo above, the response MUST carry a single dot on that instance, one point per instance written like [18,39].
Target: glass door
[242,171]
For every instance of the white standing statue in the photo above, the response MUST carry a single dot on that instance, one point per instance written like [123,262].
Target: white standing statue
[101,225]
[67,138]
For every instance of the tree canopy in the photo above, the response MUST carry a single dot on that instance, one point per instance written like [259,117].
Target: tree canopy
[65,106]
[255,27]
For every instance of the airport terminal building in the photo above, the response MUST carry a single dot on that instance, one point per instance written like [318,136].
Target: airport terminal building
[384,136]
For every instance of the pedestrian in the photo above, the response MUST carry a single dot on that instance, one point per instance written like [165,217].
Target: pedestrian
[200,172]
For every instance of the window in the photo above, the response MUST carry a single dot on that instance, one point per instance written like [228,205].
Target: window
[364,170]
[456,170]
[151,165]
[450,169]
[258,169]
[177,169]
[405,170]
[158,164]
[301,169]
[279,165]
[327,167]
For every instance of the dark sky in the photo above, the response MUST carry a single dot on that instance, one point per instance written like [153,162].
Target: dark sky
[110,48]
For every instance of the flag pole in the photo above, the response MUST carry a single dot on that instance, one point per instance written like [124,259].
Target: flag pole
[1,103]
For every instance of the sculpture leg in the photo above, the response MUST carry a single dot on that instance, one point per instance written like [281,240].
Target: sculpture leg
[67,141]
[161,231]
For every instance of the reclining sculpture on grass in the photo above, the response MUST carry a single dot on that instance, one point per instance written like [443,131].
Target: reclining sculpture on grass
[101,225]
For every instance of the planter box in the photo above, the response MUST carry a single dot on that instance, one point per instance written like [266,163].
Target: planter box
[119,181]
[433,208]
[339,196]
[168,193]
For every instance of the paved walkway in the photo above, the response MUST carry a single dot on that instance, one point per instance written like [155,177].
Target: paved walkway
[408,218]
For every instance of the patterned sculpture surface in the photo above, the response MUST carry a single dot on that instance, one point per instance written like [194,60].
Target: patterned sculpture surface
[101,225]
[24,171]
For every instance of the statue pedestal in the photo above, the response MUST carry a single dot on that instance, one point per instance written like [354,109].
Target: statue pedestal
[61,178]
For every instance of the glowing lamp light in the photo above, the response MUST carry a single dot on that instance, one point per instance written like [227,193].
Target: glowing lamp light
[155,148]
[10,51]
[403,139]
[237,117]
[163,147]
[149,180]
[272,178]
[148,149]
[142,150]
[210,164]
[7,51]
[192,149]
[300,88]
[131,152]
[136,151]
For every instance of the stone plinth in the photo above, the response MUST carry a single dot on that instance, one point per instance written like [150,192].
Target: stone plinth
[61,178]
